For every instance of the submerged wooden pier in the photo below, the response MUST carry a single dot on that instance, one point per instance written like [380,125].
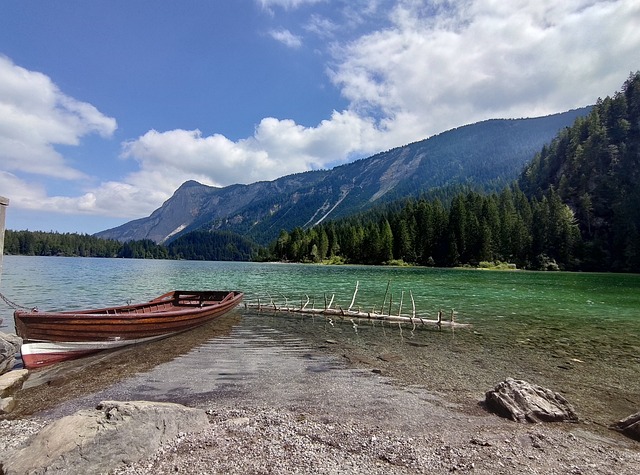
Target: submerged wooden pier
[386,312]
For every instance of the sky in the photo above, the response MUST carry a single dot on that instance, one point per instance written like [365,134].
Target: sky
[108,106]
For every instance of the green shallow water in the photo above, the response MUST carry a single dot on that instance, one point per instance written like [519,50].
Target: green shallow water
[575,333]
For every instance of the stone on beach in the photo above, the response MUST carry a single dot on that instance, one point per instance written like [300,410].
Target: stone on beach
[10,383]
[629,426]
[525,402]
[9,348]
[97,441]
[7,404]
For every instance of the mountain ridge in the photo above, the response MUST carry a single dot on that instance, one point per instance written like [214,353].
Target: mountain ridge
[485,154]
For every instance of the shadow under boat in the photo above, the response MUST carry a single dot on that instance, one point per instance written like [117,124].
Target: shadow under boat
[49,386]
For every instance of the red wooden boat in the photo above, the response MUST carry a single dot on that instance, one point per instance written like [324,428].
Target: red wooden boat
[50,337]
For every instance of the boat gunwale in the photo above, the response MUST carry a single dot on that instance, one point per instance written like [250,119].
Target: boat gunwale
[132,312]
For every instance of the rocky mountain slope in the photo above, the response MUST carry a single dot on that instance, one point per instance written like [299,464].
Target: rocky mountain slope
[486,154]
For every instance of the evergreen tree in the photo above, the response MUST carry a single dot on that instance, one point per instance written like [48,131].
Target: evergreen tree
[386,242]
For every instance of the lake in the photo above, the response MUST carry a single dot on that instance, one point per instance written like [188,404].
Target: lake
[576,333]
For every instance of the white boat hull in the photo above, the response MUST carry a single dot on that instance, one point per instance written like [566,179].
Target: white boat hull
[41,353]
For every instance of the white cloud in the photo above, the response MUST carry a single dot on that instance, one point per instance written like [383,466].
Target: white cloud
[35,116]
[286,4]
[287,38]
[18,191]
[277,147]
[443,64]
[29,195]
[321,26]
[215,159]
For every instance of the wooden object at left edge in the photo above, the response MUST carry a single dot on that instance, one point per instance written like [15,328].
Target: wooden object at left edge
[4,202]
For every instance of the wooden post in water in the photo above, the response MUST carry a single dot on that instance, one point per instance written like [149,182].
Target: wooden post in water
[4,202]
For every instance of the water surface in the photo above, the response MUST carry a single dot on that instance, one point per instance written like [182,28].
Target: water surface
[575,333]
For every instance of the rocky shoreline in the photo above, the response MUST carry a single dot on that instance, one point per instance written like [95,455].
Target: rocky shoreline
[408,431]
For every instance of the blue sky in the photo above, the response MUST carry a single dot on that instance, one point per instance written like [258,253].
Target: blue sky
[107,106]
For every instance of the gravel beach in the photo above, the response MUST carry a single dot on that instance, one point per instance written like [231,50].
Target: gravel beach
[409,434]
[328,408]
[270,441]
[275,441]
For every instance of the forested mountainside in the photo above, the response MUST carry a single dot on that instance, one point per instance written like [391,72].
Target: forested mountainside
[594,167]
[575,207]
[486,155]
[474,228]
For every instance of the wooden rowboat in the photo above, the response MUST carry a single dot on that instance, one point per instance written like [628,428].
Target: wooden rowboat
[50,337]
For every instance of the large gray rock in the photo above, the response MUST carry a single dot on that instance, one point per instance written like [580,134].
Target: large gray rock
[97,441]
[525,402]
[9,348]
[629,426]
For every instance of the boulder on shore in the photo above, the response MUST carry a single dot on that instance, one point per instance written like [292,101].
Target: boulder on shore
[97,441]
[629,426]
[525,402]
[9,348]
[12,381]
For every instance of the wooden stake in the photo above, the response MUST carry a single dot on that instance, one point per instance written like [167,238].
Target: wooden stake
[353,300]
[413,304]
[384,301]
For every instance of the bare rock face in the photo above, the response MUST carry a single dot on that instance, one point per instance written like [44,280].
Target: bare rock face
[629,426]
[99,440]
[9,348]
[525,402]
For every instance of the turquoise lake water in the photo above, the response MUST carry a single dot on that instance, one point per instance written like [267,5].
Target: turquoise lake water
[578,333]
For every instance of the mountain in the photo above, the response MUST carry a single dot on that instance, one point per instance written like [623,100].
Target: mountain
[485,155]
[594,167]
